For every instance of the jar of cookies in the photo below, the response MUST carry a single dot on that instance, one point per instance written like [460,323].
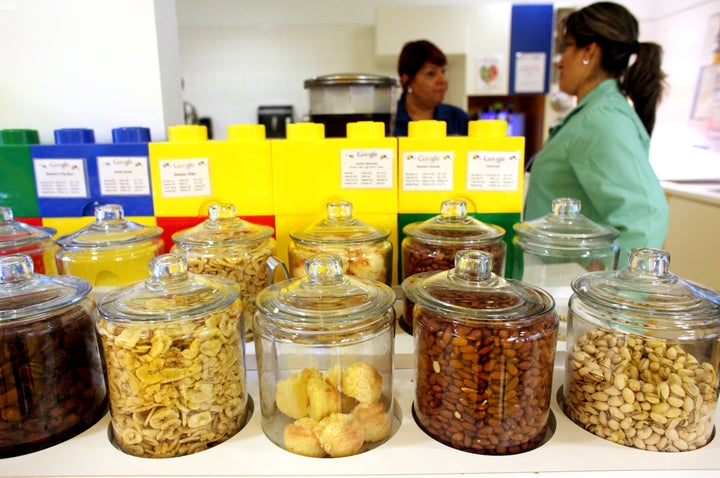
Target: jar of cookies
[20,238]
[552,250]
[110,252]
[643,349]
[175,356]
[485,352]
[51,377]
[324,344]
[432,245]
[228,246]
[365,250]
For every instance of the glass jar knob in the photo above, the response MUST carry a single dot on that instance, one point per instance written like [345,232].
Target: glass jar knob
[655,262]
[165,269]
[339,211]
[221,211]
[15,268]
[453,209]
[324,269]
[566,207]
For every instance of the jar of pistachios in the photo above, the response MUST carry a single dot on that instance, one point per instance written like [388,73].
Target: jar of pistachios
[642,357]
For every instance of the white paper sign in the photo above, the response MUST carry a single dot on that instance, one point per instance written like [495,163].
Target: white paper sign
[60,178]
[367,168]
[493,170]
[489,74]
[428,171]
[185,177]
[124,175]
[530,72]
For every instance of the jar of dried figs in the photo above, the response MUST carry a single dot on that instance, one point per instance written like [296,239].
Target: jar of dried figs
[485,349]
[365,250]
[554,249]
[228,246]
[642,358]
[51,376]
[324,344]
[20,238]
[110,252]
[175,355]
[433,244]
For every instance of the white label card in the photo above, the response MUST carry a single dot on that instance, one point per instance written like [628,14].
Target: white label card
[493,170]
[185,177]
[124,175]
[428,171]
[367,168]
[60,178]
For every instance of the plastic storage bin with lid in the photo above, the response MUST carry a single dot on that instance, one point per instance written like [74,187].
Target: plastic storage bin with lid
[17,181]
[432,245]
[175,355]
[554,249]
[324,344]
[230,247]
[20,238]
[109,252]
[52,385]
[485,349]
[643,349]
[365,250]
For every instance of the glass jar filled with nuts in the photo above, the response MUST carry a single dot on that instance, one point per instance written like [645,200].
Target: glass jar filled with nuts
[175,356]
[642,357]
[324,345]
[51,377]
[485,352]
[227,246]
[552,250]
[365,250]
[433,244]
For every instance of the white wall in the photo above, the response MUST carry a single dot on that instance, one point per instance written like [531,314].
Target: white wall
[91,64]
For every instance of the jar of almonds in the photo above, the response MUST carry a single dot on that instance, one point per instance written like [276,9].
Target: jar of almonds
[175,355]
[51,377]
[485,349]
[227,246]
[432,245]
[642,357]
[324,344]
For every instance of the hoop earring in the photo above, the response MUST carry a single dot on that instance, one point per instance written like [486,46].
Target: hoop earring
[585,61]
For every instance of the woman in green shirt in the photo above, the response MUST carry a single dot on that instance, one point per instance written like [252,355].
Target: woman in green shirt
[599,154]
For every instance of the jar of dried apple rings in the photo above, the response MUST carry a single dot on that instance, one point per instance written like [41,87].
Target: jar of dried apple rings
[324,344]
[51,377]
[227,246]
[20,238]
[433,244]
[485,349]
[175,356]
[642,358]
[365,250]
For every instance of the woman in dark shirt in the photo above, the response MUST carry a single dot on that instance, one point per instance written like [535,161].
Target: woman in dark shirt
[421,67]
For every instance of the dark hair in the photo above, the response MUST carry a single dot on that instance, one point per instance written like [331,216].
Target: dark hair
[415,54]
[615,30]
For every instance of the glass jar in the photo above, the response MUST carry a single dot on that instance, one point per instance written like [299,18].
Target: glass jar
[230,247]
[485,352]
[175,355]
[20,238]
[551,251]
[642,357]
[365,251]
[51,377]
[324,345]
[433,244]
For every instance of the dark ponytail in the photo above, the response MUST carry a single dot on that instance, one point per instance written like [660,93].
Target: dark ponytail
[644,82]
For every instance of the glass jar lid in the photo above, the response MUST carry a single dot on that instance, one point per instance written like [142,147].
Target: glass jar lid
[170,293]
[453,225]
[646,289]
[472,291]
[339,227]
[222,228]
[110,230]
[24,294]
[325,299]
[17,234]
[565,227]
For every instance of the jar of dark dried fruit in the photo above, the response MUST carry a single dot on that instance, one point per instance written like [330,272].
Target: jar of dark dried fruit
[51,376]
[432,245]
[485,349]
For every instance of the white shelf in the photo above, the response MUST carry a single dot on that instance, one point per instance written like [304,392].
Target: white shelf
[570,451]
